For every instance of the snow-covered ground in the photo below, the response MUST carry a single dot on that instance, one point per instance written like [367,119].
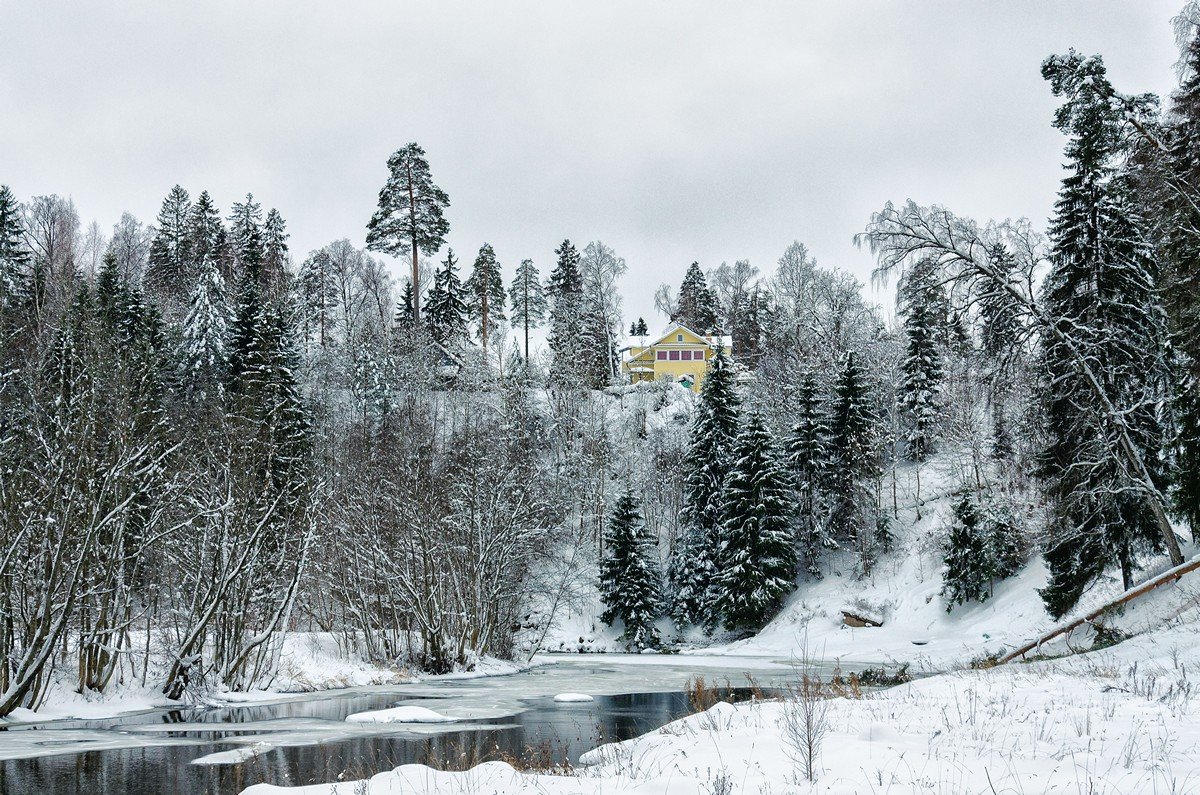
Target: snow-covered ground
[1117,721]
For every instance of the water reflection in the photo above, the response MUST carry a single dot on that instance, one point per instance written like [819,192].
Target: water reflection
[550,732]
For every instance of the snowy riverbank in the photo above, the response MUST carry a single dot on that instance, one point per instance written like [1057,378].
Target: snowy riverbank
[1118,720]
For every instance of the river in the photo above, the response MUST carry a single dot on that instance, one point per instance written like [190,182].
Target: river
[305,739]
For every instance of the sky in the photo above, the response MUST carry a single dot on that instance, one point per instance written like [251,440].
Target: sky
[671,131]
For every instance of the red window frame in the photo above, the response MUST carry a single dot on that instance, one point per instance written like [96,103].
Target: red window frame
[674,356]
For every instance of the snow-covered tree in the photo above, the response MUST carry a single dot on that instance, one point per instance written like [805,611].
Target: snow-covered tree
[528,299]
[922,305]
[630,583]
[275,248]
[968,563]
[446,309]
[853,433]
[693,565]
[809,458]
[564,292]
[983,546]
[203,353]
[696,305]
[1102,293]
[169,270]
[410,216]
[14,258]
[757,558]
[246,239]
[485,291]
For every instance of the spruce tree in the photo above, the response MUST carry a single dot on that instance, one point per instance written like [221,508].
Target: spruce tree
[629,575]
[205,231]
[446,313]
[564,292]
[170,267]
[485,291]
[853,432]
[1180,218]
[696,307]
[1101,292]
[693,565]
[410,216]
[809,457]
[204,354]
[246,239]
[14,258]
[639,329]
[967,560]
[275,249]
[920,300]
[527,299]
[757,558]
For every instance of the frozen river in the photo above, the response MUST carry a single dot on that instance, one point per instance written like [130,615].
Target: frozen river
[305,739]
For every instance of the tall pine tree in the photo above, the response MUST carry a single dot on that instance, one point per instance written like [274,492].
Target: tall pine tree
[410,216]
[696,306]
[486,293]
[527,299]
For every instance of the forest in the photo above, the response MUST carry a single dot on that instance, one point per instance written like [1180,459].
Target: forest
[208,440]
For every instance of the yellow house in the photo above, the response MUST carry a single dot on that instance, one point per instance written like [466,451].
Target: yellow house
[679,354]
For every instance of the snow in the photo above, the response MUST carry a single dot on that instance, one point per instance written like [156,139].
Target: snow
[571,698]
[236,756]
[406,714]
[1113,722]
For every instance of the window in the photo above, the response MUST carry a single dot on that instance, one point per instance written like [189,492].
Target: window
[674,356]
[662,356]
[698,356]
[679,338]
[685,355]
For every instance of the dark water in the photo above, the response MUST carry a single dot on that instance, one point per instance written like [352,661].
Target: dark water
[544,730]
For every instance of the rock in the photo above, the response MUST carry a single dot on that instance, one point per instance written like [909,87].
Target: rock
[858,620]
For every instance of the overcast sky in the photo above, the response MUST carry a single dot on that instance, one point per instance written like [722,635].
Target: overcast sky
[672,131]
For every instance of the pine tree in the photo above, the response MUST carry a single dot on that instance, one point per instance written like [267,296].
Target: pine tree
[170,266]
[697,305]
[564,292]
[598,362]
[446,313]
[693,566]
[14,258]
[809,457]
[528,299]
[410,217]
[853,431]
[275,249]
[920,300]
[968,565]
[204,354]
[638,328]
[486,293]
[1101,291]
[757,558]
[629,575]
